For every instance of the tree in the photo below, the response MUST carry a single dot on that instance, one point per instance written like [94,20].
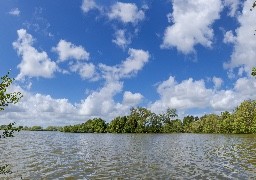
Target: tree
[117,125]
[6,99]
[245,117]
[254,71]
[170,113]
[187,122]
[253,5]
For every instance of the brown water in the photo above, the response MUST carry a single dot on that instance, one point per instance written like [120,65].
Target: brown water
[55,155]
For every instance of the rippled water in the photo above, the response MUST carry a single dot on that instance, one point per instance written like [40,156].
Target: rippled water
[55,155]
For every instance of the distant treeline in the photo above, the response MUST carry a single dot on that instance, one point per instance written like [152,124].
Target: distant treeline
[141,120]
[34,128]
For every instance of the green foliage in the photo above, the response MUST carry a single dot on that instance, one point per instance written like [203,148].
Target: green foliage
[142,120]
[117,125]
[174,126]
[7,98]
[253,71]
[5,169]
[154,124]
[253,5]
[187,121]
[96,125]
[8,130]
[52,128]
[244,118]
[36,128]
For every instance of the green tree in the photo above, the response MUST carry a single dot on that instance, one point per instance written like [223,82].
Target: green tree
[6,99]
[137,120]
[245,117]
[254,71]
[154,124]
[117,125]
[36,128]
[174,126]
[52,128]
[211,123]
[187,120]
[170,113]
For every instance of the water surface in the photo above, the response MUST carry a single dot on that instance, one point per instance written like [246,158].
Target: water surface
[56,155]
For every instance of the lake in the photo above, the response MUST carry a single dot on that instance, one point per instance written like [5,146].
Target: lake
[56,155]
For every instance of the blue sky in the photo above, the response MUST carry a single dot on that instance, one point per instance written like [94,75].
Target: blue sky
[83,59]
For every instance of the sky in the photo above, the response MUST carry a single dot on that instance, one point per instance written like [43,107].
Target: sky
[83,59]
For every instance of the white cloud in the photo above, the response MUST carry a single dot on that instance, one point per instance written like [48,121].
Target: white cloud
[188,94]
[217,82]
[88,5]
[233,5]
[85,70]
[126,13]
[192,24]
[44,110]
[101,102]
[192,94]
[33,63]
[229,37]
[224,100]
[135,62]
[121,39]
[244,89]
[131,99]
[14,12]
[244,52]
[66,51]
[39,109]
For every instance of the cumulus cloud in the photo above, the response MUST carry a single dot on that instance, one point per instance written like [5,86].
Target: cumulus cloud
[244,52]
[135,62]
[233,6]
[132,99]
[191,94]
[229,37]
[33,63]
[66,51]
[39,109]
[126,13]
[192,22]
[14,12]
[88,5]
[217,82]
[44,110]
[229,99]
[101,102]
[121,39]
[185,95]
[85,70]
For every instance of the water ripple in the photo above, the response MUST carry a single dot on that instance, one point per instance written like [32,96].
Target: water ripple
[55,155]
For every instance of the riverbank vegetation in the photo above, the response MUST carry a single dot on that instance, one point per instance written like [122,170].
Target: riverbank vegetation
[141,120]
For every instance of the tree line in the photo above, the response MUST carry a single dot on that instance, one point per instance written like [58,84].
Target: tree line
[141,120]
